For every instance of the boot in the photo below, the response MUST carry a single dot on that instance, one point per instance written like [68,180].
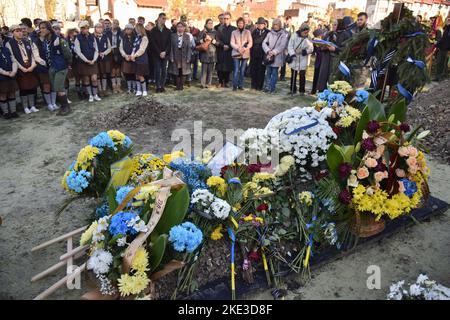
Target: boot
[65,107]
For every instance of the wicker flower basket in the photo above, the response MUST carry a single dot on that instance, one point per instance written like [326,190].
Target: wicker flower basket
[364,225]
[425,193]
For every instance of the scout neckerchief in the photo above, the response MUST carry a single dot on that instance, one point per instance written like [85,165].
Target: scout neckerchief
[47,51]
[137,43]
[23,51]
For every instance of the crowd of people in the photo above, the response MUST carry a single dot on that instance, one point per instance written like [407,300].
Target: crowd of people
[36,54]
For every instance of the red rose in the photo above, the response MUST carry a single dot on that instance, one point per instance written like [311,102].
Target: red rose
[262,207]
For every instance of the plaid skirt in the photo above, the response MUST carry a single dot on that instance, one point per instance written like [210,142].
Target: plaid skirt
[86,70]
[128,67]
[8,86]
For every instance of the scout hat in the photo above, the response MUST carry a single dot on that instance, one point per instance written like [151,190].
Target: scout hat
[15,27]
[83,24]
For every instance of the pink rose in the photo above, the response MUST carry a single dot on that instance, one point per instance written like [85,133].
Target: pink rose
[380,175]
[362,173]
[400,173]
[401,187]
[412,152]
[371,162]
[411,162]
[403,151]
[413,169]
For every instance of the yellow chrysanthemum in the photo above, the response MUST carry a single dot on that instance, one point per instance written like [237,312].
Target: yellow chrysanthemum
[207,155]
[237,207]
[341,86]
[305,197]
[345,122]
[353,112]
[217,233]
[169,157]
[146,193]
[64,181]
[132,284]
[117,136]
[87,235]
[262,176]
[262,191]
[140,261]
[217,183]
[85,157]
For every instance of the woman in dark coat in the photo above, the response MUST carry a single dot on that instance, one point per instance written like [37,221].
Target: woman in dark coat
[257,69]
[208,58]
[180,55]
[224,64]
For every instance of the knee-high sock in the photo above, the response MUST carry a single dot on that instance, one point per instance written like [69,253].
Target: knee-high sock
[143,86]
[77,88]
[4,106]
[47,98]
[130,85]
[12,105]
[134,85]
[24,100]
[104,84]
[94,90]
[31,100]
[138,85]
[89,90]
[53,94]
[113,81]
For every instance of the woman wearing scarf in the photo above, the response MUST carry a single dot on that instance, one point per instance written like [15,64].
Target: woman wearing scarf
[300,49]
[126,50]
[274,45]
[207,57]
[58,58]
[180,55]
[140,58]
[23,53]
[257,68]
[104,56]
[86,49]
[241,42]
[8,83]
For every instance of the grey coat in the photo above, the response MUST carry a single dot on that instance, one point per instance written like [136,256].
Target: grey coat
[277,42]
[180,57]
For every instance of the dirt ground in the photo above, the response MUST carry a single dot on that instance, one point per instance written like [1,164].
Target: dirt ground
[35,151]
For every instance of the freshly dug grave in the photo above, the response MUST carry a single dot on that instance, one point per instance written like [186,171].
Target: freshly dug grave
[140,113]
[432,110]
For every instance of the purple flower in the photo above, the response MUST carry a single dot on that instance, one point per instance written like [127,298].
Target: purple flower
[368,144]
[373,126]
[344,169]
[345,196]
[380,166]
[404,127]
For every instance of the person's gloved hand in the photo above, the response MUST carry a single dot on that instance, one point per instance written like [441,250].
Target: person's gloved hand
[304,52]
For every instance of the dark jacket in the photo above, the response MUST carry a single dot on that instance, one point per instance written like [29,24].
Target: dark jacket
[159,41]
[444,42]
[224,59]
[6,62]
[258,36]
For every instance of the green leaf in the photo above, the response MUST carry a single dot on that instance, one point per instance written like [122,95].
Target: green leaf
[157,251]
[398,111]
[334,158]
[362,125]
[376,109]
[111,198]
[176,208]
[348,152]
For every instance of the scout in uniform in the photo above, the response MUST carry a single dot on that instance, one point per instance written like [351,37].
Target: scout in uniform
[104,56]
[8,84]
[140,58]
[115,35]
[126,50]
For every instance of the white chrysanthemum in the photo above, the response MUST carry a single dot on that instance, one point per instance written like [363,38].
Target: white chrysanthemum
[121,242]
[202,198]
[100,261]
[220,208]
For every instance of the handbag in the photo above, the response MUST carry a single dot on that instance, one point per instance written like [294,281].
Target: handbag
[266,60]
[290,58]
[203,47]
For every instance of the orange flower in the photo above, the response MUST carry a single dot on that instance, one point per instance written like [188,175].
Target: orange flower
[371,162]
[380,175]
[362,173]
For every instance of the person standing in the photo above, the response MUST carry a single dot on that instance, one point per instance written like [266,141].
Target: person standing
[299,49]
[241,42]
[140,58]
[207,43]
[274,45]
[8,84]
[217,26]
[23,51]
[86,49]
[159,48]
[248,22]
[224,64]
[327,53]
[289,28]
[361,22]
[443,46]
[58,58]
[73,68]
[104,56]
[180,55]
[115,36]
[126,50]
[318,34]
[195,32]
[257,68]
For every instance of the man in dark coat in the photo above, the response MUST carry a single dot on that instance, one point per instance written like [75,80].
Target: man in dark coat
[159,49]
[257,69]
[224,64]
[443,46]
[217,26]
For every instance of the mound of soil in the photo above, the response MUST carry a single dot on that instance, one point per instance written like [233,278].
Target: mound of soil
[143,112]
[432,110]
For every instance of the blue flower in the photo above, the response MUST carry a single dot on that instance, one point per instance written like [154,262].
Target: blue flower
[102,210]
[324,94]
[194,173]
[127,142]
[121,194]
[102,140]
[78,180]
[361,96]
[185,237]
[410,187]
[338,97]
[119,221]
